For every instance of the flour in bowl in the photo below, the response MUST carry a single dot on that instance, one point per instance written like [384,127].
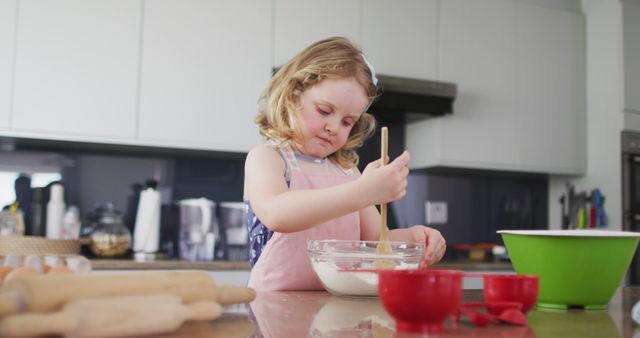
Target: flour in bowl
[351,283]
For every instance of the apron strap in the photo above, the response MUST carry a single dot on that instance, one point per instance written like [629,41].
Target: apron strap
[288,156]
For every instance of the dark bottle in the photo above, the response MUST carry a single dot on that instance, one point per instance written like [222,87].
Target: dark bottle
[37,226]
[132,206]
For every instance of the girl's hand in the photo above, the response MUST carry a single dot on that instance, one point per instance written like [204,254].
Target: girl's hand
[384,184]
[436,244]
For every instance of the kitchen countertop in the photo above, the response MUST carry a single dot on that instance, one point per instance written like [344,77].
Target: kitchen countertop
[319,314]
[128,264]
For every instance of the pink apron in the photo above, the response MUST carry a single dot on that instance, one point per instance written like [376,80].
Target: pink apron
[284,263]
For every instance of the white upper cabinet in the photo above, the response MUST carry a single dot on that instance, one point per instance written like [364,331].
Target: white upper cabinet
[551,96]
[188,73]
[520,71]
[8,15]
[477,46]
[298,23]
[76,68]
[631,46]
[401,39]
[204,65]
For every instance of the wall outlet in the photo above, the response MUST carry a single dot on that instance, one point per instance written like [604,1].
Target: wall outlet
[435,212]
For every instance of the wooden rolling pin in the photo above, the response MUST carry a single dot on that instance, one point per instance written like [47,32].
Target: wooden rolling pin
[49,293]
[112,317]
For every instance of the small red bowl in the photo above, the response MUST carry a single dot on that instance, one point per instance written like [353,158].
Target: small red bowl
[420,300]
[512,288]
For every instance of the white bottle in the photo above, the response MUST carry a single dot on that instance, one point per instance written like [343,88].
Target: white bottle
[55,212]
[71,223]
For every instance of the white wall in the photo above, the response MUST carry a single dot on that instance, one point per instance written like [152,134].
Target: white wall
[605,118]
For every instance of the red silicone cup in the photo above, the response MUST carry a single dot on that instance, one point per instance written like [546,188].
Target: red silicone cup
[420,300]
[512,288]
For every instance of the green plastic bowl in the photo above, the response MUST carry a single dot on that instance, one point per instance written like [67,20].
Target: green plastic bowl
[577,268]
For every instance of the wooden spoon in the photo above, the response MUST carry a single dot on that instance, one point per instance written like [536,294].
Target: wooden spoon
[384,247]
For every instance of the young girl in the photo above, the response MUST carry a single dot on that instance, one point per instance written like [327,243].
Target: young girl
[303,183]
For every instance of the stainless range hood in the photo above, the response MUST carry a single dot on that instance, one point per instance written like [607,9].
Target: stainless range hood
[406,99]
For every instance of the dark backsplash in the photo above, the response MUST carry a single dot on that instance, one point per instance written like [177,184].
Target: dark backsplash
[479,202]
[98,173]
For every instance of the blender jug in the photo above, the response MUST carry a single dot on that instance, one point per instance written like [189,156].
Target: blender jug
[199,233]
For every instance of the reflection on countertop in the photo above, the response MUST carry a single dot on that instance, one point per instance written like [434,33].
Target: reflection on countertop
[319,314]
[129,264]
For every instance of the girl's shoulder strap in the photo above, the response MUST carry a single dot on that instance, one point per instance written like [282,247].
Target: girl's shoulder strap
[349,172]
[346,171]
[286,152]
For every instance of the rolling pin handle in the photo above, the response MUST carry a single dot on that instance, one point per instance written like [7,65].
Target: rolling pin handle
[35,325]
[204,311]
[9,303]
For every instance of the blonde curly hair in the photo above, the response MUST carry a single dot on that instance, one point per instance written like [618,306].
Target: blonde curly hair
[331,57]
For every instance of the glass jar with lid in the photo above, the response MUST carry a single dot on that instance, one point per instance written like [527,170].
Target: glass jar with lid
[110,237]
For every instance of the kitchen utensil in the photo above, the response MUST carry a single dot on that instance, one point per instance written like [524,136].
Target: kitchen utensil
[420,300]
[49,292]
[522,289]
[564,207]
[513,316]
[576,267]
[581,218]
[598,202]
[477,318]
[112,317]
[347,267]
[234,294]
[383,247]
[507,312]
[494,308]
[233,221]
[199,231]
[573,206]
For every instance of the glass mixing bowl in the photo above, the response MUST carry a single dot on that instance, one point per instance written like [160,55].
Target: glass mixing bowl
[344,267]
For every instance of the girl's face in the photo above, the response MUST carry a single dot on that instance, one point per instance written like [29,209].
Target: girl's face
[327,112]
